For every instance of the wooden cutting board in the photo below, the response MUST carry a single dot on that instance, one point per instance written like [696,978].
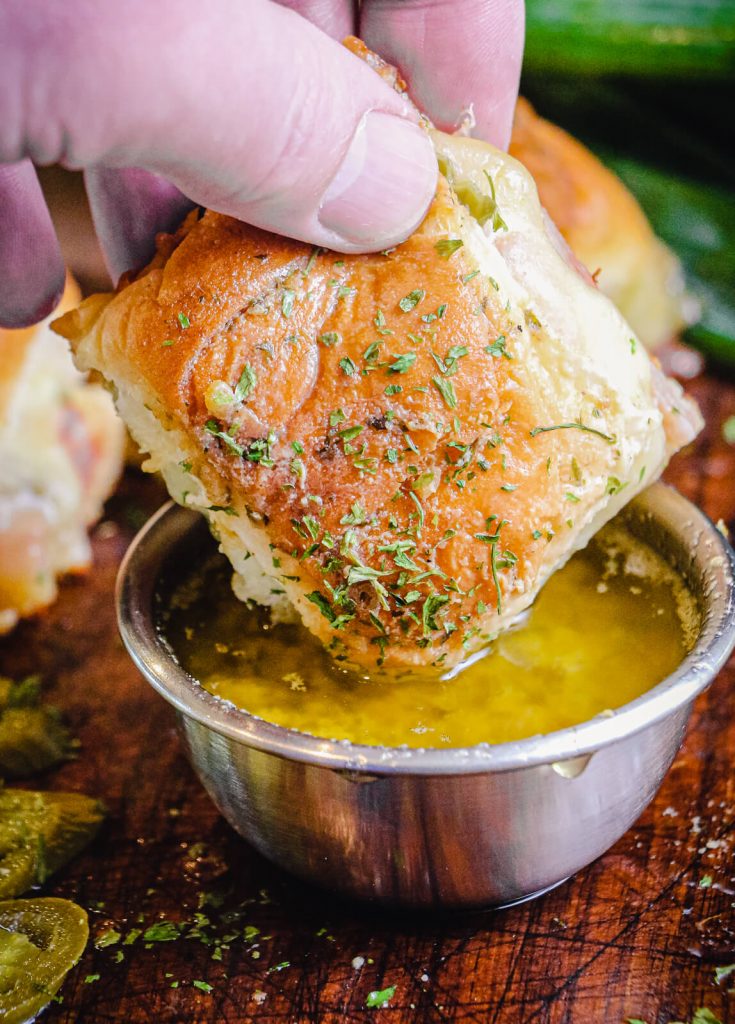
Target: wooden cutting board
[638,934]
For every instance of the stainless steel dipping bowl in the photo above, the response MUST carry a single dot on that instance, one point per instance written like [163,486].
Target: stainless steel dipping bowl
[438,828]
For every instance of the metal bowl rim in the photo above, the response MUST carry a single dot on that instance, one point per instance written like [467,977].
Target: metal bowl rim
[134,599]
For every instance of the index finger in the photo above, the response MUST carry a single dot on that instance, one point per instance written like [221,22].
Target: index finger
[455,55]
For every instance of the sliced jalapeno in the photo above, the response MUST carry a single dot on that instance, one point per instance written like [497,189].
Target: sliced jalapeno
[39,833]
[40,941]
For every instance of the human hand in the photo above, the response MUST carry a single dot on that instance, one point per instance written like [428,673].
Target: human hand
[248,109]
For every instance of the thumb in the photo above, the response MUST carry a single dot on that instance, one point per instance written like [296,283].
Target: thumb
[249,109]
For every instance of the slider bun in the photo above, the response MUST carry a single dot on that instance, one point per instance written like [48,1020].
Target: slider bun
[399,446]
[61,450]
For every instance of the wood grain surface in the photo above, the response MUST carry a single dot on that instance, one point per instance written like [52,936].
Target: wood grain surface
[637,934]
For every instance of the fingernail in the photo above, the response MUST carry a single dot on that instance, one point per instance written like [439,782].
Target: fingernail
[384,185]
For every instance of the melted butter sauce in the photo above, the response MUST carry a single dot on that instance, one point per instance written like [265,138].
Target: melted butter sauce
[607,627]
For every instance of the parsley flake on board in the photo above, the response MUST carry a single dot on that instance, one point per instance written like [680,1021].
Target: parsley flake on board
[162,931]
[380,998]
[704,1016]
[107,938]
[410,301]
